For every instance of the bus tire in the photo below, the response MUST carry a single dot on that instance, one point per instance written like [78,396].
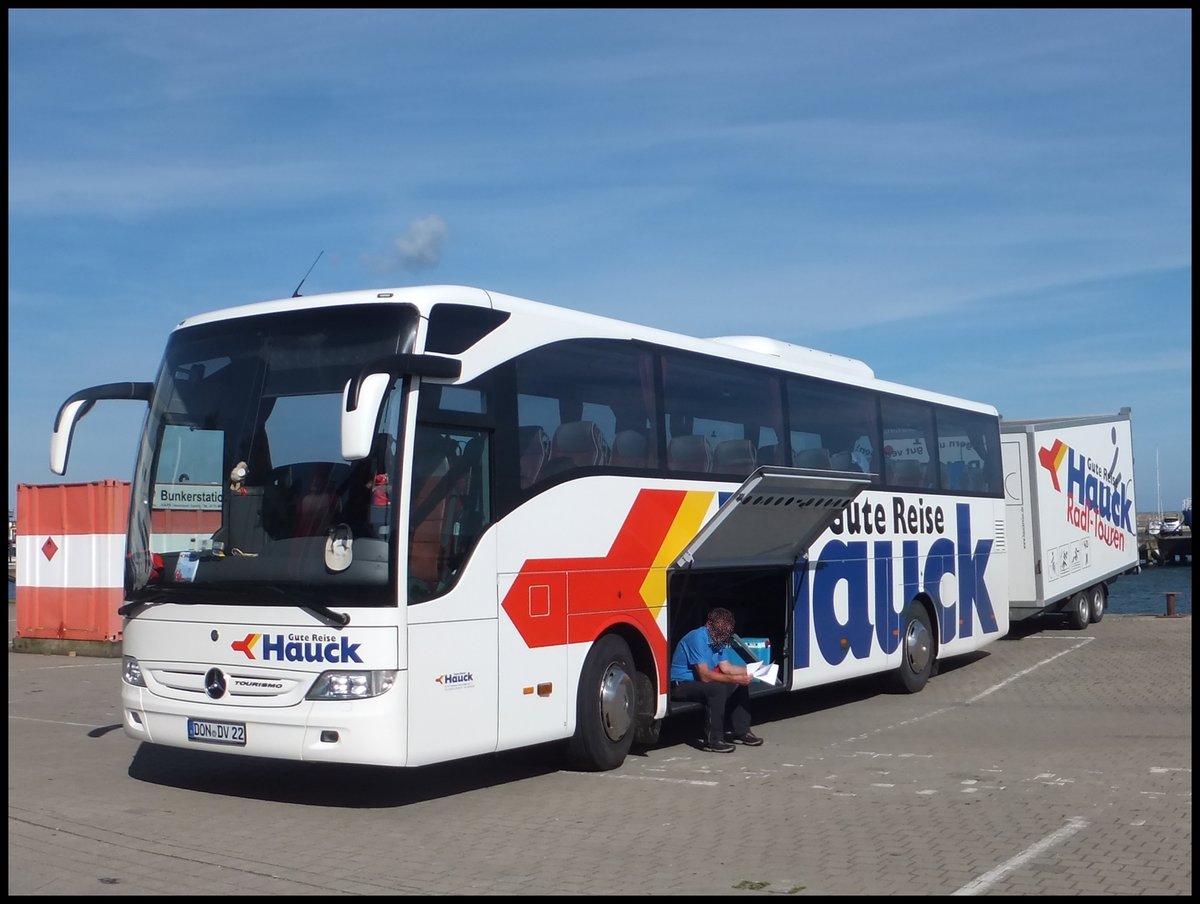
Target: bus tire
[917,651]
[648,728]
[1079,611]
[1098,600]
[605,707]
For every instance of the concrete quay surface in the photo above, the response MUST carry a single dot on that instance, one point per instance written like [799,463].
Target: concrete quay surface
[1054,762]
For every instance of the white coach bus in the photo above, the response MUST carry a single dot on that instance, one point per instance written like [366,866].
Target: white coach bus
[407,526]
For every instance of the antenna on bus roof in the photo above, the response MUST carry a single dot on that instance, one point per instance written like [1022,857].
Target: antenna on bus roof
[296,294]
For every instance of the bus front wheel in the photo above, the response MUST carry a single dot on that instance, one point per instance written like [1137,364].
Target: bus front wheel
[916,651]
[606,707]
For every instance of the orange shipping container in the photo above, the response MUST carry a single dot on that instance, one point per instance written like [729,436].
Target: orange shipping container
[70,560]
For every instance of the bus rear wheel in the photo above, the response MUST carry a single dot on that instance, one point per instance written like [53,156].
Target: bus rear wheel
[916,651]
[606,707]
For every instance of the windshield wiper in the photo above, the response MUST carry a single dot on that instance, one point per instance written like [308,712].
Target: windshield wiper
[341,619]
[129,607]
[135,604]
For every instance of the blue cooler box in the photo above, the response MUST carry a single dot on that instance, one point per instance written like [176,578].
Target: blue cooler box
[758,647]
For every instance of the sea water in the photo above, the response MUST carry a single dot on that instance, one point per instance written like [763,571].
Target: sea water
[1146,593]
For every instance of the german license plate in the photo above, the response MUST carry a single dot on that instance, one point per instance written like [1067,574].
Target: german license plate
[217,732]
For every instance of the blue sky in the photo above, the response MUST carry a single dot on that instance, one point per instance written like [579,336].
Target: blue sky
[994,204]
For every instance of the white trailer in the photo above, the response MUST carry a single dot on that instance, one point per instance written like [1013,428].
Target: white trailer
[1070,512]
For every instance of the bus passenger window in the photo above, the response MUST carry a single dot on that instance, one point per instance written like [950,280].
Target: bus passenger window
[967,451]
[844,420]
[451,506]
[909,444]
[430,490]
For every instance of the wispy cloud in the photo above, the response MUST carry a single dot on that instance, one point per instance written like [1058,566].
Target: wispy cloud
[416,249]
[119,191]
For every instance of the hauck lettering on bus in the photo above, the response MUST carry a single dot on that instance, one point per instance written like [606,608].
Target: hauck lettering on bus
[279,648]
[835,588]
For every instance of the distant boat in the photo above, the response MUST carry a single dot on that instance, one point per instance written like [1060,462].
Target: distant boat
[1155,527]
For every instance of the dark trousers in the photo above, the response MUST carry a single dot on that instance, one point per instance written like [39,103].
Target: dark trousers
[727,705]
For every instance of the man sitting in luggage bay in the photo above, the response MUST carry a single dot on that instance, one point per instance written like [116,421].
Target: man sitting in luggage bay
[701,672]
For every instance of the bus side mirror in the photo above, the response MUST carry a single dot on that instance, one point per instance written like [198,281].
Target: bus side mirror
[364,392]
[358,423]
[64,427]
[79,404]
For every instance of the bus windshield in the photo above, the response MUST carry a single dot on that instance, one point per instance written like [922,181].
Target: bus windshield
[240,494]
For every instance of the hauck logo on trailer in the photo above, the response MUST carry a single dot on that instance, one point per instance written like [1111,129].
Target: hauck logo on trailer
[1098,500]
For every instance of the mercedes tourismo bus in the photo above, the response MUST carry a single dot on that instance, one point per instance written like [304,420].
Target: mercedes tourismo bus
[402,527]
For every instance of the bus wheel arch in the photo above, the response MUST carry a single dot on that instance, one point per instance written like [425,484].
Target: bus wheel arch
[918,647]
[645,680]
[605,706]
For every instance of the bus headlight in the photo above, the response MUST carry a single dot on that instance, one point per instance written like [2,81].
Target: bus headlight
[351,685]
[131,672]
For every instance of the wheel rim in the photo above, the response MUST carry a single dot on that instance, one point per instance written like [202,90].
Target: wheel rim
[918,645]
[1085,610]
[1097,604]
[616,701]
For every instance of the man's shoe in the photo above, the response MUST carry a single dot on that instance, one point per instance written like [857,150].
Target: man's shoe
[719,746]
[750,739]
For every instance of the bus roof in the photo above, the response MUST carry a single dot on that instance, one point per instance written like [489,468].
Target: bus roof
[541,323]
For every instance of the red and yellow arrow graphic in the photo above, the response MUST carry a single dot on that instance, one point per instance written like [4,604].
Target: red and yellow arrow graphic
[572,600]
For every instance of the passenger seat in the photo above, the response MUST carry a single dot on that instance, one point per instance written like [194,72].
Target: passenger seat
[577,444]
[535,452]
[689,453]
[735,456]
[630,449]
[813,458]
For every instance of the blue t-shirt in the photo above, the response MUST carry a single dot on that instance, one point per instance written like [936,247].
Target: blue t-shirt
[695,647]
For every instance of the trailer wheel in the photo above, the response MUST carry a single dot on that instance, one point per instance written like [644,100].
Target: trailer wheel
[1099,602]
[916,651]
[606,707]
[1079,611]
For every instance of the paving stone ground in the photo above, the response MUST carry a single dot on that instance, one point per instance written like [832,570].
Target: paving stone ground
[1055,762]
